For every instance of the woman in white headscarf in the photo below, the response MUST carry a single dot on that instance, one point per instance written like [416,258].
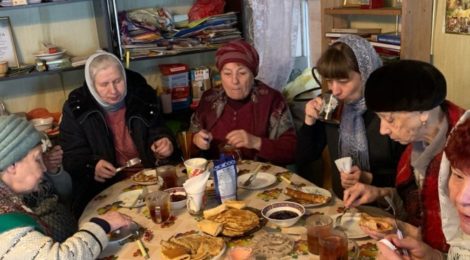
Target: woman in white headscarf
[113,118]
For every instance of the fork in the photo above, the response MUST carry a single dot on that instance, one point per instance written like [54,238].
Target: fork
[253,176]
[338,219]
[399,232]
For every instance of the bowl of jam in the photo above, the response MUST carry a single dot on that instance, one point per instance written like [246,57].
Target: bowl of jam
[177,197]
[283,214]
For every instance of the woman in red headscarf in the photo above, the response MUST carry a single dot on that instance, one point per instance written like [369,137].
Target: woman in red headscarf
[245,113]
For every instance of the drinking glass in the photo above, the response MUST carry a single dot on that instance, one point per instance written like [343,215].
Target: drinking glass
[334,245]
[168,174]
[317,226]
[159,206]
[329,106]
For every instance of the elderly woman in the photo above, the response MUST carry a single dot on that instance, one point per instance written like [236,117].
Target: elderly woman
[454,198]
[245,113]
[51,201]
[409,98]
[345,66]
[23,234]
[113,118]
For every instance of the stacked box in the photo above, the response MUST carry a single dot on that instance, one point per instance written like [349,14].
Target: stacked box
[176,78]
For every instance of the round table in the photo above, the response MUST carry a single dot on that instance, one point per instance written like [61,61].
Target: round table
[107,200]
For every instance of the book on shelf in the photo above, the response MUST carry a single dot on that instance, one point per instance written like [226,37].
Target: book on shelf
[356,30]
[338,34]
[392,38]
[385,45]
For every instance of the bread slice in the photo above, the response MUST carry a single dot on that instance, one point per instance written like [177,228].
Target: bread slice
[173,251]
[235,204]
[214,211]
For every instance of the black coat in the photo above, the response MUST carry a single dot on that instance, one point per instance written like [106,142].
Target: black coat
[85,137]
[384,153]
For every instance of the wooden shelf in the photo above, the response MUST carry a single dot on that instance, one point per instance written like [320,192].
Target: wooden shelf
[35,73]
[4,8]
[358,11]
[179,53]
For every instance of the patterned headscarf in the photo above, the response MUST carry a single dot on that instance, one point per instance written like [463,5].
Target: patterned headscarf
[352,137]
[238,51]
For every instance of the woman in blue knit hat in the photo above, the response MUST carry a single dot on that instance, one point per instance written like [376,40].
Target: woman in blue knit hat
[22,234]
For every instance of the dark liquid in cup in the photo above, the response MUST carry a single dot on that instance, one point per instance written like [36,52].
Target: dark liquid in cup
[312,242]
[168,174]
[160,214]
[334,248]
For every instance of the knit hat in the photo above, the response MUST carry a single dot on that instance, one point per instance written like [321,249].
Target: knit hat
[238,51]
[405,85]
[17,138]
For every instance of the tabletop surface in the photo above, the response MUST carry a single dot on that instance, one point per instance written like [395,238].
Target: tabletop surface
[183,222]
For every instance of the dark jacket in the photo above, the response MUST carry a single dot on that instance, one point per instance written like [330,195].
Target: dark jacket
[86,138]
[384,153]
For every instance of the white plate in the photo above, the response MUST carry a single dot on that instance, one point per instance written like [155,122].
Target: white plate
[49,56]
[262,180]
[314,190]
[129,197]
[350,224]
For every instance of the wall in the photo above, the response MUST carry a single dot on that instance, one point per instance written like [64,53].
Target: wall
[71,26]
[451,56]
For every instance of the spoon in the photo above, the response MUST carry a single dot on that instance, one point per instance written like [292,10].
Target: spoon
[130,163]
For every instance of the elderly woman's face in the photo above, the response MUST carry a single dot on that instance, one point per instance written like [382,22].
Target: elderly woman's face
[402,127]
[348,89]
[109,84]
[28,172]
[459,194]
[237,80]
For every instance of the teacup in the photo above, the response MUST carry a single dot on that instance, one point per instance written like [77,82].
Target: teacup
[195,166]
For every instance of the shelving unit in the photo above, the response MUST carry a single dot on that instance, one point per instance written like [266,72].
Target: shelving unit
[414,18]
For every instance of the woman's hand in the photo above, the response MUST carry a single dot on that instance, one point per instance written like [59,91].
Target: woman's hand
[116,219]
[416,248]
[312,110]
[202,139]
[104,170]
[361,193]
[53,159]
[356,175]
[162,148]
[242,139]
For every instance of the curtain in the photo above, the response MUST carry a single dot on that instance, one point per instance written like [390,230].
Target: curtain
[274,35]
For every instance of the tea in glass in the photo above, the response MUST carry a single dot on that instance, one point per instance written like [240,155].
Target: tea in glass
[159,206]
[168,174]
[334,246]
[317,225]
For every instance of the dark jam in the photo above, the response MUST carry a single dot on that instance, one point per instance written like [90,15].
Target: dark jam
[283,214]
[177,197]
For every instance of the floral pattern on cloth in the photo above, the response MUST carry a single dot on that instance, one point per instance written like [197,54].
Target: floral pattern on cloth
[300,248]
[368,251]
[113,206]
[270,194]
[100,197]
[133,187]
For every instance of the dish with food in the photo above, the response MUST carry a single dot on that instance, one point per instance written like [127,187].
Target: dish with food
[376,224]
[309,196]
[283,214]
[177,197]
[262,180]
[350,225]
[193,245]
[130,199]
[50,56]
[235,222]
[147,177]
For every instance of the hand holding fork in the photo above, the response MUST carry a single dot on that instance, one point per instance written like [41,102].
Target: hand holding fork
[399,232]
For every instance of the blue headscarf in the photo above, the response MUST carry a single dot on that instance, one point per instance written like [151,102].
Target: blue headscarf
[352,134]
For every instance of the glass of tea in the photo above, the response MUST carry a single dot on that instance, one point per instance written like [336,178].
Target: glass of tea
[168,174]
[159,206]
[334,245]
[317,226]
[230,150]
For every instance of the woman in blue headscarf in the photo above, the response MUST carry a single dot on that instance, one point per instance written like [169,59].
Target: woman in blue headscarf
[345,67]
